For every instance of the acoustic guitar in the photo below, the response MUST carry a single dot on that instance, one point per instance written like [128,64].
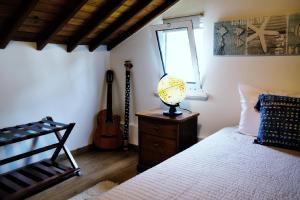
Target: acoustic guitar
[128,65]
[108,133]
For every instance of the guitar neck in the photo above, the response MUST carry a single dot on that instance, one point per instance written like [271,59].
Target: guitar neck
[109,103]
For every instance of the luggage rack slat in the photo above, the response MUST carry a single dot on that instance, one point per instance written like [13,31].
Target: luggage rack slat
[33,178]
[38,180]
[20,178]
[27,131]
[11,184]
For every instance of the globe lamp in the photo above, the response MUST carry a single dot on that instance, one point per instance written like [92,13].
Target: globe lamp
[171,91]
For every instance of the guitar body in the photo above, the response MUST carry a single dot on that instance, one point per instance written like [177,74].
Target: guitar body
[108,134]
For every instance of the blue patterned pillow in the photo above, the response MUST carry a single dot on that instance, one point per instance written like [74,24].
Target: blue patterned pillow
[279,121]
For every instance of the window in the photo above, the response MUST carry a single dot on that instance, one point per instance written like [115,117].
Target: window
[177,49]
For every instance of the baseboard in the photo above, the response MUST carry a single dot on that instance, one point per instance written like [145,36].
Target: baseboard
[133,147]
[77,152]
[133,133]
[91,147]
[81,150]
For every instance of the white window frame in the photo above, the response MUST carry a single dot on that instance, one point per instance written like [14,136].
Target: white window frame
[194,90]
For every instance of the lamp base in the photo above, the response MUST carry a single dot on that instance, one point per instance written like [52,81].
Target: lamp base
[172,112]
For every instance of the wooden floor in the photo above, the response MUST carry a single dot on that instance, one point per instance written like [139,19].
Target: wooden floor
[117,166]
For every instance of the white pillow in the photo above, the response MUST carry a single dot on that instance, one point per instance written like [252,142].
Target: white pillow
[249,119]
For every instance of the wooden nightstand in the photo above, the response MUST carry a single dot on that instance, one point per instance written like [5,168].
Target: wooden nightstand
[161,137]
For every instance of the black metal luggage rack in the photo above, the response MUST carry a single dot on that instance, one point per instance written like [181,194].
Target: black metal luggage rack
[33,178]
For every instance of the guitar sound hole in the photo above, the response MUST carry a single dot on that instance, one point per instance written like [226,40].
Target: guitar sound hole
[108,136]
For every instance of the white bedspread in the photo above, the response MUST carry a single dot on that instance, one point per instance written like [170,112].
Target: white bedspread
[226,165]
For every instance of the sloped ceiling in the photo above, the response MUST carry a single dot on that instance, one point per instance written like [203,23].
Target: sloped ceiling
[186,8]
[76,22]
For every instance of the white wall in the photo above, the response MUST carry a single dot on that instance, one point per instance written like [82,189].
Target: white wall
[221,74]
[52,82]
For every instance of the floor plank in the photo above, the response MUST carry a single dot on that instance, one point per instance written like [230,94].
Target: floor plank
[117,166]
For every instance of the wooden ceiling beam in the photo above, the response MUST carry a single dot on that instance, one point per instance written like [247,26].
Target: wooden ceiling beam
[16,21]
[100,38]
[146,19]
[99,16]
[72,8]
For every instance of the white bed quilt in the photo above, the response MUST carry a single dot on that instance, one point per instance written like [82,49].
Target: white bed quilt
[226,165]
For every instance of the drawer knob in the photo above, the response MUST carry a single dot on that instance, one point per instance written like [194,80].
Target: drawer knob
[155,144]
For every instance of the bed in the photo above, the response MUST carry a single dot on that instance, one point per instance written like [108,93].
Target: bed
[226,165]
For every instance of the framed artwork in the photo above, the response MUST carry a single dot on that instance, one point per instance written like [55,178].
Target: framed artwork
[272,35]
[293,45]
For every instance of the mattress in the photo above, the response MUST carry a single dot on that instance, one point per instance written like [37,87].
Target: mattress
[226,165]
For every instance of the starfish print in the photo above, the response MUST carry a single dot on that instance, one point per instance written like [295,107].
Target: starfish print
[261,32]
[222,30]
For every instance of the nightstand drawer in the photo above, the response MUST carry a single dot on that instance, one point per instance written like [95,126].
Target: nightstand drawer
[161,137]
[157,144]
[151,158]
[159,128]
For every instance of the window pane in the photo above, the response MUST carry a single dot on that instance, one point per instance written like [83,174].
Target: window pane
[176,54]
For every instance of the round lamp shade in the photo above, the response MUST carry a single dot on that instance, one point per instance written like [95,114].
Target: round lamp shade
[171,90]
